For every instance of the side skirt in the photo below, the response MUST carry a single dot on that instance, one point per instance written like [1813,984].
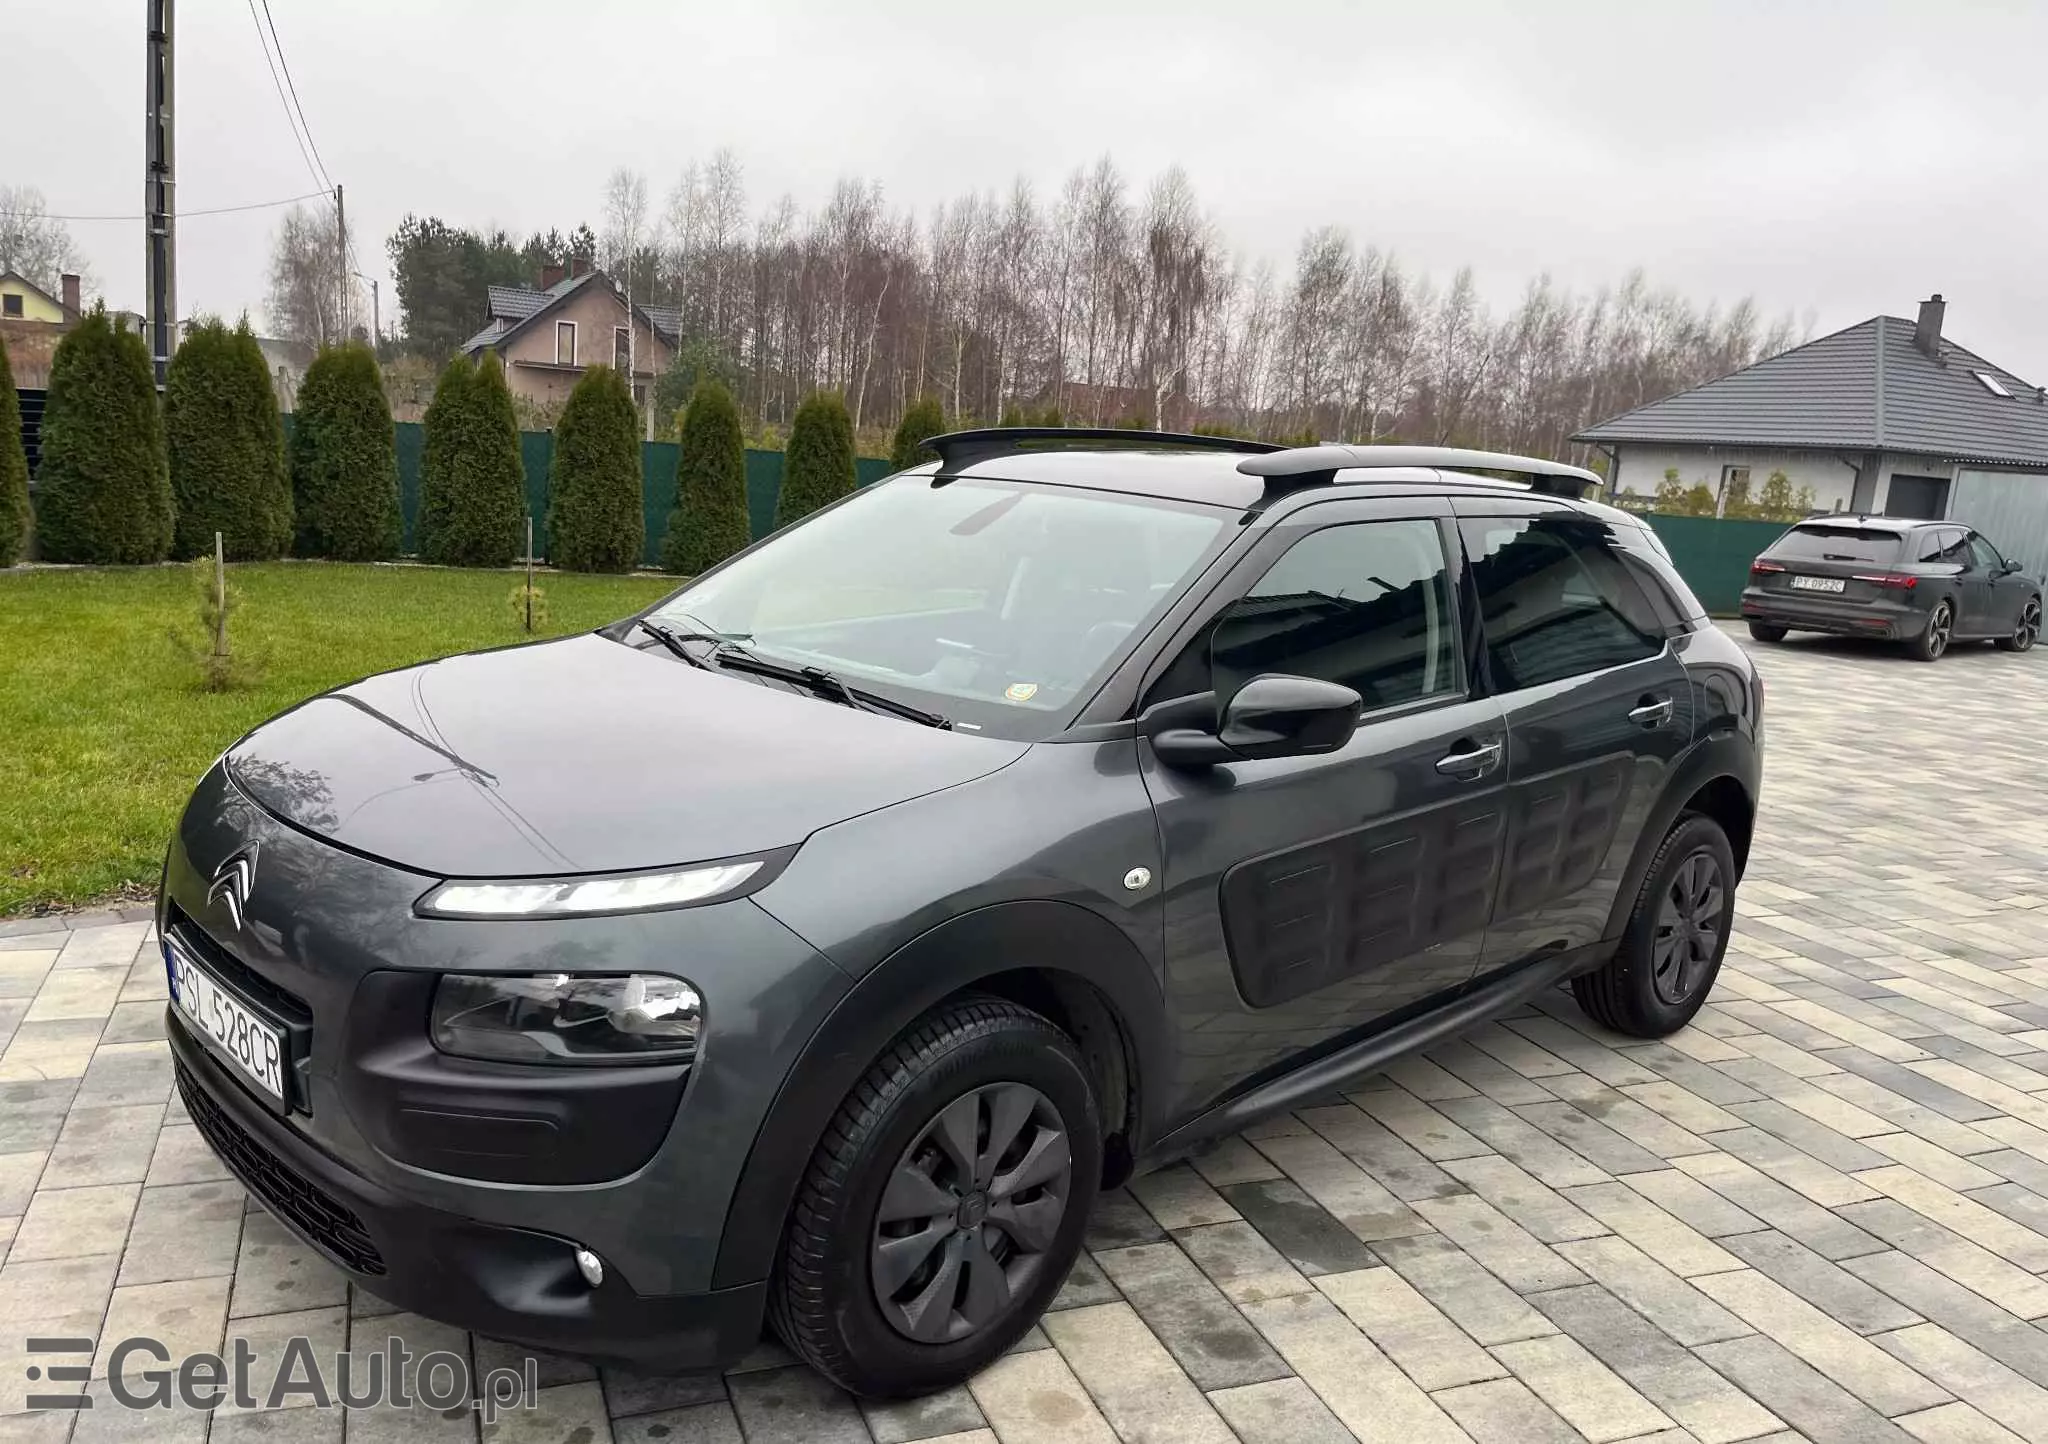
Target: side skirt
[1486,1001]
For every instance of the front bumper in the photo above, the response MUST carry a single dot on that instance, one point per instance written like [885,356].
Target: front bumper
[508,1283]
[375,1121]
[1889,621]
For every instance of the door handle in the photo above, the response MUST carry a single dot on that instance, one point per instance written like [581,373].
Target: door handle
[1471,764]
[1652,714]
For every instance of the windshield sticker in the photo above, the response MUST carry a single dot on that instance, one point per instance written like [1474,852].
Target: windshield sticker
[1021,691]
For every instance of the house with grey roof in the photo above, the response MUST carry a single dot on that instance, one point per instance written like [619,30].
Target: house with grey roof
[1888,416]
[576,318]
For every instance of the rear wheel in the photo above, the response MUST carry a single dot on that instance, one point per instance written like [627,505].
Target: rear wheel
[2028,631]
[1671,951]
[1767,631]
[1930,644]
[944,1205]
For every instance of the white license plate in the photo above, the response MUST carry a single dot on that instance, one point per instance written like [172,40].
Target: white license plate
[254,1048]
[1817,584]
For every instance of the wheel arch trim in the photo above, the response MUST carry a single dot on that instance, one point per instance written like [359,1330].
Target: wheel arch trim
[1719,756]
[1049,937]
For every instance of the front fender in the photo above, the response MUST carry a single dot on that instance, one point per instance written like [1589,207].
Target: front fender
[1042,935]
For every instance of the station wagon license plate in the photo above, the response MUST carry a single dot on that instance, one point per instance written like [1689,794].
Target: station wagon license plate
[1817,584]
[254,1048]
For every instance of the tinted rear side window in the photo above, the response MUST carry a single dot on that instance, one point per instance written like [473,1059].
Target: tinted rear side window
[1556,600]
[1837,544]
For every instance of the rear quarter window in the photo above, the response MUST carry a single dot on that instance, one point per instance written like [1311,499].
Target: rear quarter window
[1837,544]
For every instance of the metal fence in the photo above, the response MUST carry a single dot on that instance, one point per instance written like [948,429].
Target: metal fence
[657,484]
[1713,554]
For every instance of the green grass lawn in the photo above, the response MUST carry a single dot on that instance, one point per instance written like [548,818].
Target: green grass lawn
[104,726]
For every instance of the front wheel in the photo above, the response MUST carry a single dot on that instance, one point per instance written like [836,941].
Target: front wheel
[2027,632]
[1930,644]
[1767,631]
[1671,951]
[944,1205]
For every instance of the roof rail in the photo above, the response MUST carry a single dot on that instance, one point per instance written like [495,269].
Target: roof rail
[959,450]
[1303,466]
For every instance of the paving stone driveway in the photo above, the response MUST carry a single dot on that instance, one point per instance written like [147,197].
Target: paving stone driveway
[1821,1211]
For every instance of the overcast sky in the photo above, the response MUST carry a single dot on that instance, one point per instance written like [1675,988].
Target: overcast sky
[1831,160]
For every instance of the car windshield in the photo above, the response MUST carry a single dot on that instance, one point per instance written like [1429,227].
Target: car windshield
[1837,544]
[992,602]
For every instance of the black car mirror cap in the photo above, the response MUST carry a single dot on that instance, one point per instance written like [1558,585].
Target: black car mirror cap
[1272,715]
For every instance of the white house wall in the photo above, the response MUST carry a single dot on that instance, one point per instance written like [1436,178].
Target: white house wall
[1642,470]
[1832,476]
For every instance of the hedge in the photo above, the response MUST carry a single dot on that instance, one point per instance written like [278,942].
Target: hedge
[709,521]
[818,465]
[226,446]
[440,432]
[344,461]
[13,470]
[925,418]
[595,521]
[103,489]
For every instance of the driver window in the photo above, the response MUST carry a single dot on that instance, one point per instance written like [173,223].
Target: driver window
[1984,555]
[1367,605]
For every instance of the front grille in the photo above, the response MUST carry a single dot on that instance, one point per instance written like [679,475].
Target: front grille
[286,1006]
[332,1225]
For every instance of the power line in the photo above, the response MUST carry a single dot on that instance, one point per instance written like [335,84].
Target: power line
[304,154]
[285,66]
[182,215]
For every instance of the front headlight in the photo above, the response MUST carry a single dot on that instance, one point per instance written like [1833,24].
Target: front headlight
[583,896]
[564,1018]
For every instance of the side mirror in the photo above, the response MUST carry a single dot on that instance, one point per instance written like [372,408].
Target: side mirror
[1270,716]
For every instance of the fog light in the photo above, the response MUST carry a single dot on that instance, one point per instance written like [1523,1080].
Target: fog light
[590,1266]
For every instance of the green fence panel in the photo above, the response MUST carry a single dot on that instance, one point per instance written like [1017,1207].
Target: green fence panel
[764,485]
[657,493]
[537,455]
[411,438]
[1713,554]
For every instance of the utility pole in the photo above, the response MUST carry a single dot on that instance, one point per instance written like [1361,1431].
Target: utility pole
[376,311]
[341,258]
[160,240]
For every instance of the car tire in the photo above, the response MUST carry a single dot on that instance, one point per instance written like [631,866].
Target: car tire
[1767,631]
[2028,630]
[1934,638]
[1663,971]
[868,1300]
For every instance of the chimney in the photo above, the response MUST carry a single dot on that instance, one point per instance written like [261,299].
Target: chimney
[68,284]
[551,275]
[579,265]
[1927,335]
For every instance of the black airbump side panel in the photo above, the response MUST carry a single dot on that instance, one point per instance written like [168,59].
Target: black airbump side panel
[1300,920]
[1562,826]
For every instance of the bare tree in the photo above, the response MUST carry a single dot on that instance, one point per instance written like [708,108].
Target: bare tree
[308,282]
[36,245]
[625,219]
[1102,307]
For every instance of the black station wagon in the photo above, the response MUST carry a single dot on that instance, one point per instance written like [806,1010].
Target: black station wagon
[815,945]
[1926,584]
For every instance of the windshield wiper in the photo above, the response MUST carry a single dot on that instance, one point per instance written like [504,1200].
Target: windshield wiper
[673,640]
[829,685]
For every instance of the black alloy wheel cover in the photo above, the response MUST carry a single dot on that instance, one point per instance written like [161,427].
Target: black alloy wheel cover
[1691,919]
[969,1213]
[2029,629]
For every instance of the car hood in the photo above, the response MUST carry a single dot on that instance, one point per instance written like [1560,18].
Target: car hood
[585,755]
